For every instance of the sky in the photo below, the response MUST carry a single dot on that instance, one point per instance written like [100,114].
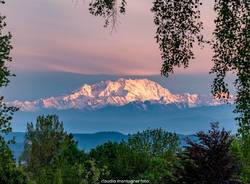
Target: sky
[61,36]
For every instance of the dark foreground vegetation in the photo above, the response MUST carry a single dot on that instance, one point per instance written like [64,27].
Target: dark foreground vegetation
[51,156]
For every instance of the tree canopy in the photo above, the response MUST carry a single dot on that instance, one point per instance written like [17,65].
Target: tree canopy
[209,160]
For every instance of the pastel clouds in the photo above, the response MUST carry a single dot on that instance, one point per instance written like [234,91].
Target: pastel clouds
[61,35]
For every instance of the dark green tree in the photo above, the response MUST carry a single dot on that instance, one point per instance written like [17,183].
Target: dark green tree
[121,161]
[43,141]
[51,155]
[161,148]
[232,54]
[210,160]
[89,172]
[9,172]
[240,148]
[70,154]
[149,155]
[155,142]
[161,169]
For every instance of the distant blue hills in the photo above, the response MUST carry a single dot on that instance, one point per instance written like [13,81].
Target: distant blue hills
[85,141]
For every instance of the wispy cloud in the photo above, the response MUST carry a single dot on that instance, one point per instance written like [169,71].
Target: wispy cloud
[63,36]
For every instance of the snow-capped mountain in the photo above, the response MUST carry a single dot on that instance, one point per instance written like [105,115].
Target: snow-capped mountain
[117,93]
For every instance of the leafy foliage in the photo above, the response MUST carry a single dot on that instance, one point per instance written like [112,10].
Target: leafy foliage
[232,53]
[161,169]
[42,142]
[51,155]
[241,148]
[150,155]
[121,161]
[5,48]
[6,112]
[108,9]
[178,27]
[155,142]
[9,172]
[161,148]
[209,161]
[85,173]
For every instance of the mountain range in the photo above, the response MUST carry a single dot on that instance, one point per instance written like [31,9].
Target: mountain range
[128,106]
[117,93]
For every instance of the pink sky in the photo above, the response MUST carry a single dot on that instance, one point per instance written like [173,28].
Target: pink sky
[61,35]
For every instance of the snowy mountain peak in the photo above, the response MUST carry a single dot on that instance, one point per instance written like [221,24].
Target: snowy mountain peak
[118,93]
[138,89]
